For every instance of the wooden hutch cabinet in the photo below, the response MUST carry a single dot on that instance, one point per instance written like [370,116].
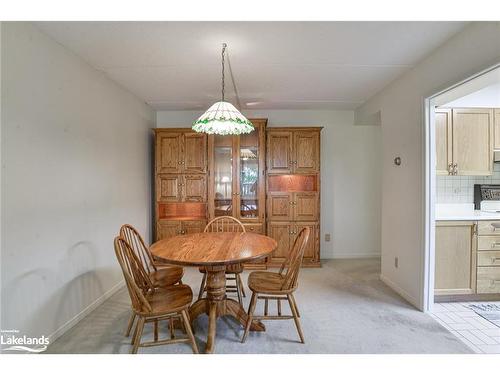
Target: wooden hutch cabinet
[200,177]
[180,182]
[293,194]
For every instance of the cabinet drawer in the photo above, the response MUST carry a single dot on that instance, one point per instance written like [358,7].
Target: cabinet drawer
[488,243]
[488,258]
[488,228]
[488,279]
[254,228]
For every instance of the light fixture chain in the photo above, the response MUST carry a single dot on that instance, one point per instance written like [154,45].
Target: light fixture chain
[224,45]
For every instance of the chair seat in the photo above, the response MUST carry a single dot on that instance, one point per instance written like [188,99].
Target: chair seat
[169,300]
[266,282]
[166,276]
[230,268]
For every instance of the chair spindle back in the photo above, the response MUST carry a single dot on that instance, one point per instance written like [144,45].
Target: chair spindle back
[137,244]
[291,266]
[130,266]
[225,224]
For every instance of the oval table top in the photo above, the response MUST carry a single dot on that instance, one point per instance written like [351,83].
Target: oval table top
[213,248]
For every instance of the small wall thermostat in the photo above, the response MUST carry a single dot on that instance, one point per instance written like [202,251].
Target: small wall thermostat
[397,160]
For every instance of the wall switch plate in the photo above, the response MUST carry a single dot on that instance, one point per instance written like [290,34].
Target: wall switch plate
[396,262]
[327,237]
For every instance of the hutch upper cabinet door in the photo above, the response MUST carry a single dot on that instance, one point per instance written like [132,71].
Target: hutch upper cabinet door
[306,152]
[279,206]
[443,141]
[168,152]
[497,129]
[279,152]
[305,207]
[194,188]
[169,187]
[195,153]
[473,141]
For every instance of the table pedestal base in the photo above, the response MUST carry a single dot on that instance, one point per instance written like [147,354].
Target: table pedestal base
[217,304]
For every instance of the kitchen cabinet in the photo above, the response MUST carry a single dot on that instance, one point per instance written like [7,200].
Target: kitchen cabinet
[488,257]
[464,141]
[455,258]
[496,116]
[293,206]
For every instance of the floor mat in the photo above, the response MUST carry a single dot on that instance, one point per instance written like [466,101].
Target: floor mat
[489,311]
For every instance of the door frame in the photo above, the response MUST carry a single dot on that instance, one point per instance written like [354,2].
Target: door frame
[427,301]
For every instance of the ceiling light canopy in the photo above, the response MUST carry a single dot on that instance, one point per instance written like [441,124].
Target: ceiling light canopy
[223,118]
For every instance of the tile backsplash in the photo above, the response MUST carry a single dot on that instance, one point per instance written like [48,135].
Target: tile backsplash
[460,189]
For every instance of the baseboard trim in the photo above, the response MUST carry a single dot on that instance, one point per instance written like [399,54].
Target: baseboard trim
[399,291]
[353,255]
[86,311]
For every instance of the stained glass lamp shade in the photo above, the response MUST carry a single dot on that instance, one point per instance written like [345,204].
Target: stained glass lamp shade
[222,118]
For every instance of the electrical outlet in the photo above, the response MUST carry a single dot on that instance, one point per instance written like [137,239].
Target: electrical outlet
[327,237]
[396,262]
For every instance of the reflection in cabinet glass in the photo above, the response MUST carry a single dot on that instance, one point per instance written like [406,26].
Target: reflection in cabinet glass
[249,175]
[223,175]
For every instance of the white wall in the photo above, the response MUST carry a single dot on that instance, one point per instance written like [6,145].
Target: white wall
[350,171]
[76,165]
[489,97]
[402,107]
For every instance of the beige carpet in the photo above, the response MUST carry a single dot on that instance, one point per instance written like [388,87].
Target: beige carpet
[345,308]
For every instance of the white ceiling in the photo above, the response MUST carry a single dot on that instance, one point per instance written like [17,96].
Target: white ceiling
[276,65]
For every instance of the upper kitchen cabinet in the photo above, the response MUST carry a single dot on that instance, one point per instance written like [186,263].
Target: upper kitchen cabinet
[443,141]
[464,141]
[293,150]
[497,128]
[180,151]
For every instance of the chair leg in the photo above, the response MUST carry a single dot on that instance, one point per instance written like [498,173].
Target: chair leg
[242,285]
[251,308]
[202,286]
[187,326]
[137,341]
[295,303]
[155,330]
[238,289]
[135,333]
[293,307]
[130,324]
[171,328]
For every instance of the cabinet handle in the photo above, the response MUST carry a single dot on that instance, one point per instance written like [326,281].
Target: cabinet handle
[496,244]
[455,169]
[251,228]
[450,169]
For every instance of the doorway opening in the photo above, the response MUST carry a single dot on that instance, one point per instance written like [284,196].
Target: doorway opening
[462,232]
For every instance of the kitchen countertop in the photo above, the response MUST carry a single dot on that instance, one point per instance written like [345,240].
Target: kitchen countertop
[445,211]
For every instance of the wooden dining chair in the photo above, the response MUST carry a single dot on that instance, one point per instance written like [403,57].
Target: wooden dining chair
[226,224]
[160,274]
[278,286]
[150,304]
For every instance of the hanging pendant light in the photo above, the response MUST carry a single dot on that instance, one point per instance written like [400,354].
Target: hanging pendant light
[223,118]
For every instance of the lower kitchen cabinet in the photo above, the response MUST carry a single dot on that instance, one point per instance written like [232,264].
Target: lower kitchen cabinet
[455,258]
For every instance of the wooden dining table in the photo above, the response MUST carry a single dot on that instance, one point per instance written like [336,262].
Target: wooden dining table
[215,251]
